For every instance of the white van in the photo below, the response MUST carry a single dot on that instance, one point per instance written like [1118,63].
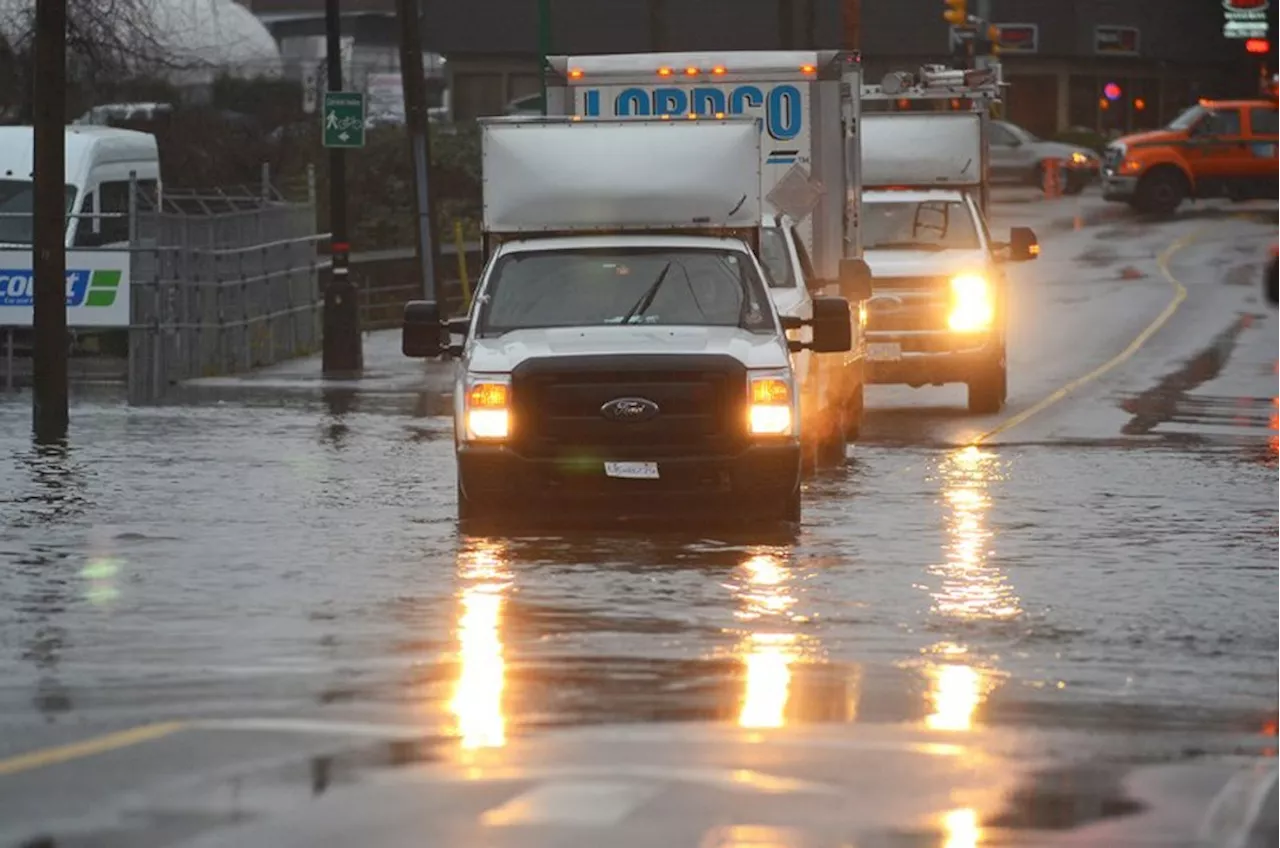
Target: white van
[99,161]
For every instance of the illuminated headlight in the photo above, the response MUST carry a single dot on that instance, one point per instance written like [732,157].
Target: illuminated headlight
[771,401]
[488,413]
[973,308]
[1078,158]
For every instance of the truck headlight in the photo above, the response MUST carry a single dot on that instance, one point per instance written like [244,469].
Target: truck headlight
[973,307]
[771,402]
[488,410]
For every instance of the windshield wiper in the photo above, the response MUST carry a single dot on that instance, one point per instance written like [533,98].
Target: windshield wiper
[905,245]
[646,299]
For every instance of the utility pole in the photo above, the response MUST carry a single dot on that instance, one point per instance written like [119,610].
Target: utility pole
[427,235]
[342,353]
[982,59]
[851,19]
[49,406]
[544,46]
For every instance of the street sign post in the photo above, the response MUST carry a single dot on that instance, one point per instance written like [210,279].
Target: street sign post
[344,119]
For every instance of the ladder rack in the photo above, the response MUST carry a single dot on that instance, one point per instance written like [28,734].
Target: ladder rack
[935,82]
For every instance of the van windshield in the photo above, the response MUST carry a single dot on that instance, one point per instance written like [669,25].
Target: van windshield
[16,207]
[617,285]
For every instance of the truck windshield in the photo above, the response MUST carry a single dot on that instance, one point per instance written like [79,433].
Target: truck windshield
[651,286]
[1189,118]
[922,225]
[776,259]
[16,197]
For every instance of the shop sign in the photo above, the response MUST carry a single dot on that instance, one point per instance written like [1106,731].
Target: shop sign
[1245,18]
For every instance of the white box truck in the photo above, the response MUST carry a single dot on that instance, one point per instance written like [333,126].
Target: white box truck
[806,110]
[622,356]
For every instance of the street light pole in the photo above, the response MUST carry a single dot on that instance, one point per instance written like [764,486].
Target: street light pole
[415,107]
[342,354]
[49,404]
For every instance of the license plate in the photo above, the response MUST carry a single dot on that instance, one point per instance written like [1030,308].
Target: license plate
[632,470]
[884,351]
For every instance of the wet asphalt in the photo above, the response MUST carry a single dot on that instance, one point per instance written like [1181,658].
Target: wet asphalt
[1100,558]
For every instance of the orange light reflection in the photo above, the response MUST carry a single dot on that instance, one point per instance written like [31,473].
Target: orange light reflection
[962,828]
[477,702]
[970,589]
[770,645]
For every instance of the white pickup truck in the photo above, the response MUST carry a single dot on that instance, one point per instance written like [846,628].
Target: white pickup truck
[940,307]
[622,356]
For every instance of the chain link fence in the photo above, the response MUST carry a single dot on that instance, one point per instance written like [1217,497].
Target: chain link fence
[221,282]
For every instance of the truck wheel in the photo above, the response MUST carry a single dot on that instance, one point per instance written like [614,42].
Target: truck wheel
[987,393]
[1161,192]
[854,407]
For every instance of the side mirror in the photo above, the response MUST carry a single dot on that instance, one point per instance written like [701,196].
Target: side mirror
[855,280]
[1023,244]
[832,325]
[422,335]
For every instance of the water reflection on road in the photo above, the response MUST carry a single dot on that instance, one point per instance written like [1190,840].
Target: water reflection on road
[478,695]
[966,587]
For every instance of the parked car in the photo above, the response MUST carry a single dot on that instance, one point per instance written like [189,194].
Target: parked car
[1019,157]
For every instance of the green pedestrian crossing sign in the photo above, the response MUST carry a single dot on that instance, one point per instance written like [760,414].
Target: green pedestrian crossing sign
[343,119]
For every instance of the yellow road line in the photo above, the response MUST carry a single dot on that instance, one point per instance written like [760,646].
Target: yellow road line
[89,747]
[1179,295]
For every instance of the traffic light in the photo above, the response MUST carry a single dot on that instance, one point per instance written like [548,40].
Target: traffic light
[957,12]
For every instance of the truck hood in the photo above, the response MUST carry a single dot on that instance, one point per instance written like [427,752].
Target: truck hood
[502,354]
[1153,137]
[923,263]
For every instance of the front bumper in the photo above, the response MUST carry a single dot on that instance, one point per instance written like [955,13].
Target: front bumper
[760,480]
[933,358]
[1116,187]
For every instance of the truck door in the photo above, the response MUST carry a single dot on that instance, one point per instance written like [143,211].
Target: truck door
[1217,149]
[1264,166]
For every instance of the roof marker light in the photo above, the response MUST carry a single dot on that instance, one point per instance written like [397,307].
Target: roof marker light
[720,116]
[808,69]
[693,116]
[691,71]
[576,73]
[719,70]
[664,72]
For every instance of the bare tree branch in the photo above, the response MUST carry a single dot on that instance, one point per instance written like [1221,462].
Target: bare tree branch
[109,42]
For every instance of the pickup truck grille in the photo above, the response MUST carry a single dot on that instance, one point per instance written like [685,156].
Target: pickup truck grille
[904,304]
[557,405]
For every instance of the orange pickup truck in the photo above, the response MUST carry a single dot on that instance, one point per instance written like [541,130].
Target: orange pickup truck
[1217,148]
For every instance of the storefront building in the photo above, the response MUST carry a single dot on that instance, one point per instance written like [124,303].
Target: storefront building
[1103,65]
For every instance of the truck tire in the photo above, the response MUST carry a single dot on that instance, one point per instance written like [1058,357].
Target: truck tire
[988,391]
[1161,192]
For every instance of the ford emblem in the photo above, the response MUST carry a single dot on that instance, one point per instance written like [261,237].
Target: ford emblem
[629,409]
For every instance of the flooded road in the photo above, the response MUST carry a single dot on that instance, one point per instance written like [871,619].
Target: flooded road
[1107,563]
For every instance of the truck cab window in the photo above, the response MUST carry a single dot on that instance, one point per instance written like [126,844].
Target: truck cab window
[1263,120]
[802,253]
[776,259]
[1002,137]
[1222,123]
